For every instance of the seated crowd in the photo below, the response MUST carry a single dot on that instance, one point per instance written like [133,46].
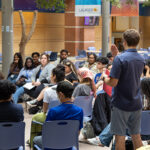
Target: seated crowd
[61,82]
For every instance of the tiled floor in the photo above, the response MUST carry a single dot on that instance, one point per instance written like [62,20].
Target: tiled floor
[82,146]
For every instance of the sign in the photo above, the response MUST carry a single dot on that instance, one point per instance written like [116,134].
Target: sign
[87,8]
[126,9]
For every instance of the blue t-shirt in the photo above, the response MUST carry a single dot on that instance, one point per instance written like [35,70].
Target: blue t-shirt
[97,77]
[127,68]
[66,112]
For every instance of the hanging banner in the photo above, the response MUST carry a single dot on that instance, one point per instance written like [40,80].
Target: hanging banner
[87,7]
[30,5]
[126,8]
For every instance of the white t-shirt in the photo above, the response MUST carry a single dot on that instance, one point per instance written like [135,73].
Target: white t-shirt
[50,94]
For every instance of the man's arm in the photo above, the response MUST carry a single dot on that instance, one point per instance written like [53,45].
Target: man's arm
[111,81]
[45,107]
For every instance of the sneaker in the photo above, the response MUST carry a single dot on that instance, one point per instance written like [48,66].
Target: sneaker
[32,103]
[95,141]
[25,97]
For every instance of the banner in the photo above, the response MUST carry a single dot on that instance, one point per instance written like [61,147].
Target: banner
[126,8]
[30,5]
[87,7]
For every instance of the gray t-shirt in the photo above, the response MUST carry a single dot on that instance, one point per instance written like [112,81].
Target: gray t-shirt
[82,90]
[50,94]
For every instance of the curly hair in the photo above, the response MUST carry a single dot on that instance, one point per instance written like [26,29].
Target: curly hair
[6,89]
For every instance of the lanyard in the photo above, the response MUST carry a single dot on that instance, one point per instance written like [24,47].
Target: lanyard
[67,102]
[27,73]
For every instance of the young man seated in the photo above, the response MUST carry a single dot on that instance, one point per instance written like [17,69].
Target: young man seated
[9,112]
[66,111]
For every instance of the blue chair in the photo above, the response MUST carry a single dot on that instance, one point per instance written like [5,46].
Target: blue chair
[81,54]
[52,104]
[79,64]
[53,56]
[92,48]
[60,134]
[12,135]
[85,102]
[145,123]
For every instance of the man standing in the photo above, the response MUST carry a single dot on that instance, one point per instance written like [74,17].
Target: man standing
[126,99]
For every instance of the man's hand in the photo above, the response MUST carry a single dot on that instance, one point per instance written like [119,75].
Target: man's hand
[114,50]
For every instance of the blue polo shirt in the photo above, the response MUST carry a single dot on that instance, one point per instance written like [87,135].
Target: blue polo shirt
[127,68]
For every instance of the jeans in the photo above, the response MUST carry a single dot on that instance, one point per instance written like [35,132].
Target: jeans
[12,78]
[18,93]
[105,136]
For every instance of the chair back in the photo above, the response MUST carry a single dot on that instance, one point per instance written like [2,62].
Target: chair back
[92,48]
[85,102]
[145,123]
[79,64]
[60,134]
[54,103]
[53,56]
[12,135]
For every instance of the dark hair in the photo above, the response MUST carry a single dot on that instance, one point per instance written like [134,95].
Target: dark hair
[64,50]
[145,86]
[66,88]
[132,37]
[109,55]
[70,64]
[1,76]
[89,54]
[35,53]
[103,60]
[6,89]
[59,72]
[25,65]
[148,64]
[20,62]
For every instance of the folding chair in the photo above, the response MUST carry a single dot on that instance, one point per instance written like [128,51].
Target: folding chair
[79,64]
[12,135]
[85,102]
[60,134]
[53,56]
[145,123]
[81,54]
[52,104]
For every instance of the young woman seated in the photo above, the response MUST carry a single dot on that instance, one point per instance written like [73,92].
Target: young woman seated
[87,85]
[15,67]
[23,78]
[40,76]
[70,71]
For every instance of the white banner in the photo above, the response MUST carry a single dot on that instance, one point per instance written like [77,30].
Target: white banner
[88,8]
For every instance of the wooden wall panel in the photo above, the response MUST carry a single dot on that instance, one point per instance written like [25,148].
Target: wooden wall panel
[48,35]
